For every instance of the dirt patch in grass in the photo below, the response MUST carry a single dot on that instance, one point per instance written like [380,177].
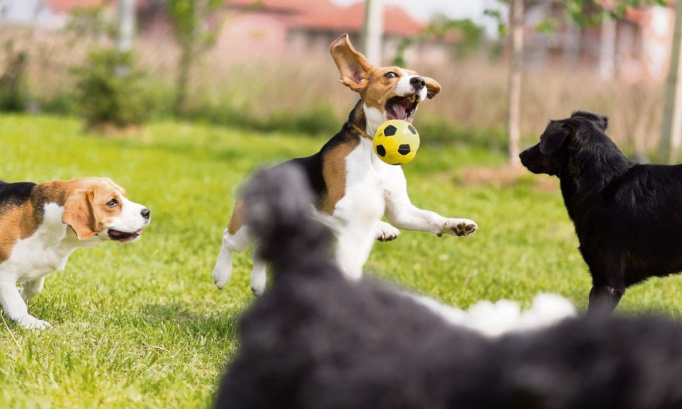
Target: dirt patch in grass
[505,176]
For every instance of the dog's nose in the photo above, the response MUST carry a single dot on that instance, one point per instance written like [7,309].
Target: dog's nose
[146,213]
[418,83]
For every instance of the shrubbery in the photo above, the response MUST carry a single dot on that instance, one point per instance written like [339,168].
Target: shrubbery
[13,88]
[110,91]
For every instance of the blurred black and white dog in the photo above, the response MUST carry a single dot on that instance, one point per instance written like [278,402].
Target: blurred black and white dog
[317,340]
[628,217]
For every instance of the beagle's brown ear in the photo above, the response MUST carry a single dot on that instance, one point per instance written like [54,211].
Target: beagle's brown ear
[79,213]
[432,87]
[354,69]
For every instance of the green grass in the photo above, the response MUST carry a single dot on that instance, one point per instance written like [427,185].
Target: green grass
[143,326]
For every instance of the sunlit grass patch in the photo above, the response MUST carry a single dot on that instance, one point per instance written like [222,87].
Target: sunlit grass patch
[142,325]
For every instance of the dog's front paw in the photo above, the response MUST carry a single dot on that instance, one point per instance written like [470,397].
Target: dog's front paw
[386,232]
[31,322]
[221,275]
[258,285]
[459,227]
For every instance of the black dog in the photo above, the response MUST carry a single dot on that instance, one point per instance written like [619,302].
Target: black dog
[315,340]
[628,217]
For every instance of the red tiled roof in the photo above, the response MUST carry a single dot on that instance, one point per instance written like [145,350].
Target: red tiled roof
[68,5]
[274,4]
[351,19]
[324,15]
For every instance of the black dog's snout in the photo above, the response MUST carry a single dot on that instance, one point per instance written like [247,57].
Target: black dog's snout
[146,213]
[418,83]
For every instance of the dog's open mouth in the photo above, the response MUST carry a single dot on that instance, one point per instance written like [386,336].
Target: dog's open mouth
[121,236]
[402,107]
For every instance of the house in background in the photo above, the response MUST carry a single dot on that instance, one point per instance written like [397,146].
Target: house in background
[262,28]
[44,14]
[259,29]
[634,47]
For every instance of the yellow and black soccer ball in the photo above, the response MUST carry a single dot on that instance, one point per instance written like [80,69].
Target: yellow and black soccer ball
[396,142]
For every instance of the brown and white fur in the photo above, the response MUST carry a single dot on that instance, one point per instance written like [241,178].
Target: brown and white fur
[346,169]
[42,224]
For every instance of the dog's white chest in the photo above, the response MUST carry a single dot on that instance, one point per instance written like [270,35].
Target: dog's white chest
[46,251]
[364,168]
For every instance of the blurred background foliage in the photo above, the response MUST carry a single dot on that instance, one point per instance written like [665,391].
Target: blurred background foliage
[191,70]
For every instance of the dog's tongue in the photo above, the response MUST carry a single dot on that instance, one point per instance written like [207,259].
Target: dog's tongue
[400,111]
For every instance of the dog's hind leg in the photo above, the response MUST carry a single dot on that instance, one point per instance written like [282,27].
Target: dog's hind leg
[232,243]
[236,238]
[360,213]
[608,286]
[258,274]
[32,288]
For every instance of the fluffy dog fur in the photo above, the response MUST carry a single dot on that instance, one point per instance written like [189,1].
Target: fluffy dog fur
[627,216]
[316,340]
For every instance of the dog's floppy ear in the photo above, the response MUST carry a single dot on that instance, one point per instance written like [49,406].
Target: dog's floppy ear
[353,67]
[554,137]
[601,121]
[79,213]
[432,87]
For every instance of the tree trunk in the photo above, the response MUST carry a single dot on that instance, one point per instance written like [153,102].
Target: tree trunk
[182,80]
[126,25]
[671,137]
[607,49]
[126,33]
[373,31]
[514,119]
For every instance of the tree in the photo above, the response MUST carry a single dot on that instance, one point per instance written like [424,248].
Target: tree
[582,12]
[110,90]
[671,138]
[514,95]
[126,25]
[196,29]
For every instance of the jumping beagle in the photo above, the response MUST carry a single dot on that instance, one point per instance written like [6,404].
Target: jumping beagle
[347,163]
[41,225]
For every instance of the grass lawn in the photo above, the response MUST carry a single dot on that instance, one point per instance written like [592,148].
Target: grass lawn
[143,326]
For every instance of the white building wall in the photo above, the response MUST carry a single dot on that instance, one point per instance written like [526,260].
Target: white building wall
[35,13]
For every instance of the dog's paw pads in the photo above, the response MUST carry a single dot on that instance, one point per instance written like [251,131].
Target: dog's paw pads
[464,227]
[386,232]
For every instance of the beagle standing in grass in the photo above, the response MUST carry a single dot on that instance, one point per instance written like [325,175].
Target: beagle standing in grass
[41,225]
[347,164]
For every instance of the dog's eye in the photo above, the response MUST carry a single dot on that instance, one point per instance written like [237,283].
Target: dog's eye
[112,203]
[391,74]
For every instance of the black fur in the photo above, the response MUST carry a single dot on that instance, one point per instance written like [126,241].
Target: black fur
[628,217]
[317,341]
[14,194]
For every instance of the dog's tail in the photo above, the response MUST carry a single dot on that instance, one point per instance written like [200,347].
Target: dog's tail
[279,212]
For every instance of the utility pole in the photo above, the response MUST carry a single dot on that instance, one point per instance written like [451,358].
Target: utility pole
[373,31]
[671,138]
[126,25]
[607,48]
[514,102]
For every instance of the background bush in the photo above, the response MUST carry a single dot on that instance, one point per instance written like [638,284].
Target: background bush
[110,91]
[13,86]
